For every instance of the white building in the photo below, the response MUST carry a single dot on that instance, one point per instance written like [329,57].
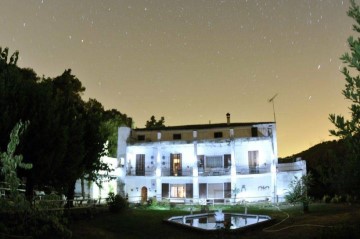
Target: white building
[211,163]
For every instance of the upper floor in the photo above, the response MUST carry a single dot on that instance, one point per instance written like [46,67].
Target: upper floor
[202,132]
[203,150]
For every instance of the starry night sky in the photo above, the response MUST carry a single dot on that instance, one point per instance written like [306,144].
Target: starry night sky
[193,61]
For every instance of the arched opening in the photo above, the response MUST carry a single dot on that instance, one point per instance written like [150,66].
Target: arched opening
[144,194]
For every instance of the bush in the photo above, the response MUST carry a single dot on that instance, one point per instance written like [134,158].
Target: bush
[116,203]
[336,199]
[164,203]
[349,198]
[326,199]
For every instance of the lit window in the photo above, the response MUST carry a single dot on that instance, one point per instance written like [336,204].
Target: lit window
[177,191]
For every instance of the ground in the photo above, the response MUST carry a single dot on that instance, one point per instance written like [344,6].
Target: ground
[322,221]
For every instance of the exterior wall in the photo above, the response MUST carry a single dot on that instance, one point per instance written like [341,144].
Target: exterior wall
[233,181]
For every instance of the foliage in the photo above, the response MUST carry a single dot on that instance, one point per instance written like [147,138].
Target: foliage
[17,216]
[116,203]
[349,129]
[11,162]
[326,198]
[298,189]
[112,120]
[153,123]
[67,135]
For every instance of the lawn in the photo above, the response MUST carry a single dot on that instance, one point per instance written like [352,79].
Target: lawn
[323,221]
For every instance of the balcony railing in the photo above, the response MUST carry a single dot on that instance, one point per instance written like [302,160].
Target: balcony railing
[146,172]
[214,171]
[252,170]
[186,172]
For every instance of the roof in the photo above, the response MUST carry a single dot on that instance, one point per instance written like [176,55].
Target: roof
[202,126]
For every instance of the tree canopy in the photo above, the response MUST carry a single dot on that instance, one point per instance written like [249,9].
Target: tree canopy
[66,135]
[153,123]
[349,129]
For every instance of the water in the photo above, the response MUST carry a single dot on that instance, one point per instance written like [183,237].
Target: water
[207,221]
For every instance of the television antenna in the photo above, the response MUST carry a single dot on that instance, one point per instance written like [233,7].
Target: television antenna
[272,100]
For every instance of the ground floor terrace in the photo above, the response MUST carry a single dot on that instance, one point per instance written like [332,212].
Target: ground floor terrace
[259,186]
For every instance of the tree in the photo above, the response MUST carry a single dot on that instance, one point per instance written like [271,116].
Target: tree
[153,123]
[63,141]
[11,162]
[349,129]
[298,191]
[113,119]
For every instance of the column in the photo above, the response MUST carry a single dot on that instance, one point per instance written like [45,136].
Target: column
[233,161]
[158,168]
[195,170]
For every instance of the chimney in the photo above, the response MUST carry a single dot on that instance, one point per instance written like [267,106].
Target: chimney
[228,118]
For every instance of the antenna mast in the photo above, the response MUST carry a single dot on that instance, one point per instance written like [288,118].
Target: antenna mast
[272,100]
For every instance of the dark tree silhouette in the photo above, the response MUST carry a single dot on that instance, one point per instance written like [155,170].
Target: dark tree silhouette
[153,123]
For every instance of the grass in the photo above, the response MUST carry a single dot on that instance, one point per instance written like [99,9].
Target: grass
[341,221]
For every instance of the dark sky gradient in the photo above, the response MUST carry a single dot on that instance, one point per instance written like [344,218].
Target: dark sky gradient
[193,61]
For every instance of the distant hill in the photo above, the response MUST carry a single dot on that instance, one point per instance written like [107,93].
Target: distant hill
[325,161]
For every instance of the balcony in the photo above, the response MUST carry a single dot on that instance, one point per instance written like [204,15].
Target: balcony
[146,172]
[214,171]
[165,171]
[203,172]
[242,170]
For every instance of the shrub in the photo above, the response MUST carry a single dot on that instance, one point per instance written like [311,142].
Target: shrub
[335,199]
[164,203]
[326,199]
[349,198]
[116,203]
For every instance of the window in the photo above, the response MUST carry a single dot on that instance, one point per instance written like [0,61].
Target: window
[189,190]
[177,191]
[140,165]
[202,190]
[214,162]
[254,132]
[141,137]
[165,190]
[200,161]
[176,136]
[253,157]
[218,135]
[227,160]
[227,190]
[175,165]
[216,190]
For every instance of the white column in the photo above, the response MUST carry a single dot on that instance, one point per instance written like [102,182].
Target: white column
[233,161]
[232,145]
[123,135]
[274,162]
[158,168]
[195,170]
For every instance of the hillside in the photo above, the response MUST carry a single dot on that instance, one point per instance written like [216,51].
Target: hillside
[326,162]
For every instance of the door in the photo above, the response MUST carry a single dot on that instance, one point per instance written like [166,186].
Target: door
[144,194]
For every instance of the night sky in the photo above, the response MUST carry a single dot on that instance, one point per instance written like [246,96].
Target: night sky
[193,61]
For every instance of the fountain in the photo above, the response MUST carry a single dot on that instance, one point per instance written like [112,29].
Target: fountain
[218,220]
[219,216]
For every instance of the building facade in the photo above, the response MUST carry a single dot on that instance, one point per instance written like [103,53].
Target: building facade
[211,163]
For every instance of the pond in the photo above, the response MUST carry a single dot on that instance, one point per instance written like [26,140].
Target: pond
[214,221]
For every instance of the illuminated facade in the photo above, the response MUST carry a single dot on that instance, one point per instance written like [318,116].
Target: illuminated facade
[212,163]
